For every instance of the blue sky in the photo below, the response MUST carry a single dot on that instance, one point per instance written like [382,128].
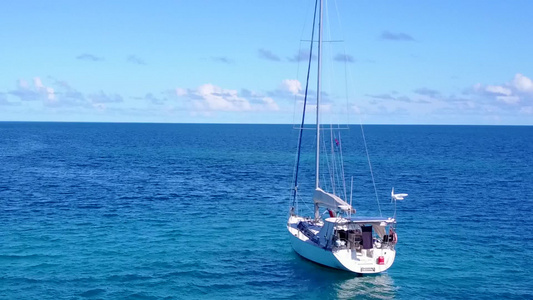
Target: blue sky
[408,62]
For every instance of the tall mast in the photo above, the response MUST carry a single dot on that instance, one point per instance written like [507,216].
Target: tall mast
[317,162]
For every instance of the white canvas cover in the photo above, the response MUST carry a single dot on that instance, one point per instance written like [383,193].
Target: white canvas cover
[380,230]
[326,232]
[330,201]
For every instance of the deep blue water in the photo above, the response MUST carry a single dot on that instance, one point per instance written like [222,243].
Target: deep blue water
[178,211]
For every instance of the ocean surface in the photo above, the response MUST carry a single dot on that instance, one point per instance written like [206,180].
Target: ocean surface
[182,211]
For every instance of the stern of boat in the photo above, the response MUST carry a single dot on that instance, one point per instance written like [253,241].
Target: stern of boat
[366,261]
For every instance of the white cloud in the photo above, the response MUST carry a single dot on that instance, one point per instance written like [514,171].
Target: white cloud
[522,83]
[497,89]
[27,92]
[60,95]
[38,83]
[517,92]
[209,97]
[270,104]
[48,91]
[51,94]
[219,99]
[291,85]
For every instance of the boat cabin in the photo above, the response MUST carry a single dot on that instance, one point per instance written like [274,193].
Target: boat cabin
[357,233]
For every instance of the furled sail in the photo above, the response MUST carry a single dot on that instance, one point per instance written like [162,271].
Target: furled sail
[331,201]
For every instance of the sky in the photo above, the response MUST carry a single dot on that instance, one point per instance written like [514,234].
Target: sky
[244,61]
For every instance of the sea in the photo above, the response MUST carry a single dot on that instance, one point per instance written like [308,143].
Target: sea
[199,211]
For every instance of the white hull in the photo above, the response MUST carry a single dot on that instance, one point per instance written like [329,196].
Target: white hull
[363,261]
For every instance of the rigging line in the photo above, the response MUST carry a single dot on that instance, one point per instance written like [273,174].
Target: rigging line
[332,66]
[340,176]
[296,96]
[303,32]
[337,160]
[326,188]
[305,204]
[292,134]
[339,18]
[336,178]
[342,167]
[333,160]
[346,89]
[318,91]
[341,158]
[371,172]
[339,21]
[329,164]
[327,159]
[308,8]
[338,165]
[305,103]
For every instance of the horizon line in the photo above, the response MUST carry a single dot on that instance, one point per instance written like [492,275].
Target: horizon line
[230,123]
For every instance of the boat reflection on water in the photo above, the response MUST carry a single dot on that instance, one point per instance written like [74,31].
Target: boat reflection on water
[367,287]
[311,281]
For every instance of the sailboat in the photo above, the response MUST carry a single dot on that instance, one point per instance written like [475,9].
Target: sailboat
[341,240]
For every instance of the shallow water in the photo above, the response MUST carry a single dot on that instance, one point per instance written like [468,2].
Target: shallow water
[178,211]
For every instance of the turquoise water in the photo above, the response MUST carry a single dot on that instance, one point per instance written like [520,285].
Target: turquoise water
[177,211]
